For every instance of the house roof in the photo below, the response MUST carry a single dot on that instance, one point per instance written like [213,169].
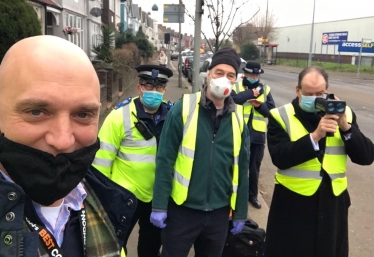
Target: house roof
[47,2]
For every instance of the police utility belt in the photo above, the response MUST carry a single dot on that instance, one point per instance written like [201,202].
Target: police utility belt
[48,240]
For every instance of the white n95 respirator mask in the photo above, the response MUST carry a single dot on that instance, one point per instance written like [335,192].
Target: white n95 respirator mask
[220,87]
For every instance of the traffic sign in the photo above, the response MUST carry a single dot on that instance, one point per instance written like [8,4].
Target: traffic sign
[173,18]
[173,8]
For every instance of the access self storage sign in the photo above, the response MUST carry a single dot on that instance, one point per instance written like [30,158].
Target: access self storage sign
[355,46]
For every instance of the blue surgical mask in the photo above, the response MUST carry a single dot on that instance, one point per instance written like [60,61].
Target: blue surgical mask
[307,103]
[152,99]
[251,80]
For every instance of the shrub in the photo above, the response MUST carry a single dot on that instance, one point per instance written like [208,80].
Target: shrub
[18,20]
[103,51]
[249,51]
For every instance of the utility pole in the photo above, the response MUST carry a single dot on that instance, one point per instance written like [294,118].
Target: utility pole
[179,47]
[197,43]
[311,38]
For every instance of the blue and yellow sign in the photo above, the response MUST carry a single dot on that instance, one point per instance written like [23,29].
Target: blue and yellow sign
[355,46]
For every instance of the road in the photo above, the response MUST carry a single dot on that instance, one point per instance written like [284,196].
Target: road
[360,97]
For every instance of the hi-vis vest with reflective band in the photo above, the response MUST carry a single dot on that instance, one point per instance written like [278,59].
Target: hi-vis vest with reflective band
[305,178]
[125,156]
[258,121]
[184,163]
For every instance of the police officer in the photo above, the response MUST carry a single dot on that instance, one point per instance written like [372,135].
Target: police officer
[257,102]
[128,144]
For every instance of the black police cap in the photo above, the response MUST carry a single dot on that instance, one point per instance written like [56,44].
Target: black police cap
[253,67]
[154,74]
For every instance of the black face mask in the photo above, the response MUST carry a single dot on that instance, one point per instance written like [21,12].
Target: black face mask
[44,177]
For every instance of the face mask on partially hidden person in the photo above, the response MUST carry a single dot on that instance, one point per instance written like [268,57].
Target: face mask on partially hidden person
[251,80]
[307,103]
[220,87]
[45,178]
[152,99]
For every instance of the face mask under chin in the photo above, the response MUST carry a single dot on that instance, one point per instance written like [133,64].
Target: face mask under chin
[45,178]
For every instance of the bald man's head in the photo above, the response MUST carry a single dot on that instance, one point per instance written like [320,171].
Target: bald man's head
[49,88]
[45,56]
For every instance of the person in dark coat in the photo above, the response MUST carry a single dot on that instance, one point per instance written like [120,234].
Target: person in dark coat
[308,215]
[257,101]
[51,203]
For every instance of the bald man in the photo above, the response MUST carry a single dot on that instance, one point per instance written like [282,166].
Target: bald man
[51,202]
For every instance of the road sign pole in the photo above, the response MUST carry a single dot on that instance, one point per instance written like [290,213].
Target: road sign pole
[179,46]
[359,59]
[197,42]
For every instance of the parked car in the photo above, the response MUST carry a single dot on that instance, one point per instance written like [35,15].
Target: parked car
[174,56]
[184,55]
[186,64]
[204,71]
[190,69]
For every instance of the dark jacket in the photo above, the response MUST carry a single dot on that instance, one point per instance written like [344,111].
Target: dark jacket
[211,180]
[119,203]
[317,225]
[264,109]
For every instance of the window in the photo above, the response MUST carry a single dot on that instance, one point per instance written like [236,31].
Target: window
[111,5]
[77,22]
[49,23]
[96,32]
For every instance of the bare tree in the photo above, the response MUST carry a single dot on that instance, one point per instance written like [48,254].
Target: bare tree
[260,26]
[222,20]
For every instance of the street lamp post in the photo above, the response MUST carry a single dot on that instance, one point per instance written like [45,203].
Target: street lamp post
[311,37]
[179,46]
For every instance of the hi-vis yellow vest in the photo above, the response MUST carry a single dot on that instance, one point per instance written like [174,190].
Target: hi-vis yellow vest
[184,163]
[124,155]
[258,121]
[305,178]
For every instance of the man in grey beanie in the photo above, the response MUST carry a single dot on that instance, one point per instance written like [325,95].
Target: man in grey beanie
[202,166]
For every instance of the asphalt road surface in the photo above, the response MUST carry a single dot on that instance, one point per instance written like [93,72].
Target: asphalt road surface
[359,95]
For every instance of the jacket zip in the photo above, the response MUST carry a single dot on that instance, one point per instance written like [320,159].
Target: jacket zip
[210,169]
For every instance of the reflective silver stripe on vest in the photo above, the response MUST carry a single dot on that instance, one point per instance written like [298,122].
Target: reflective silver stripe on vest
[108,147]
[336,176]
[301,173]
[127,121]
[181,180]
[102,162]
[187,152]
[139,143]
[234,189]
[336,150]
[137,157]
[182,149]
[246,115]
[258,118]
[237,87]
[236,160]
[284,116]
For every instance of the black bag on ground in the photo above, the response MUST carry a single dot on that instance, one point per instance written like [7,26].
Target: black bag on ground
[248,243]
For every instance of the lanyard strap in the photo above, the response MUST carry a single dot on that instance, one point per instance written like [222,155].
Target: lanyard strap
[48,240]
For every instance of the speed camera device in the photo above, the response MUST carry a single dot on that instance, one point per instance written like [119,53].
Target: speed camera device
[329,105]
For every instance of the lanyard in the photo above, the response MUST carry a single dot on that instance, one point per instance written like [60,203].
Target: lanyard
[49,241]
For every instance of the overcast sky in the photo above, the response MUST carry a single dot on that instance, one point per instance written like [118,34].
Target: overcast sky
[287,12]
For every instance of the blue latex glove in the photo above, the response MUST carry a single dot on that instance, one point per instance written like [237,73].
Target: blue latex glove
[238,226]
[158,218]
